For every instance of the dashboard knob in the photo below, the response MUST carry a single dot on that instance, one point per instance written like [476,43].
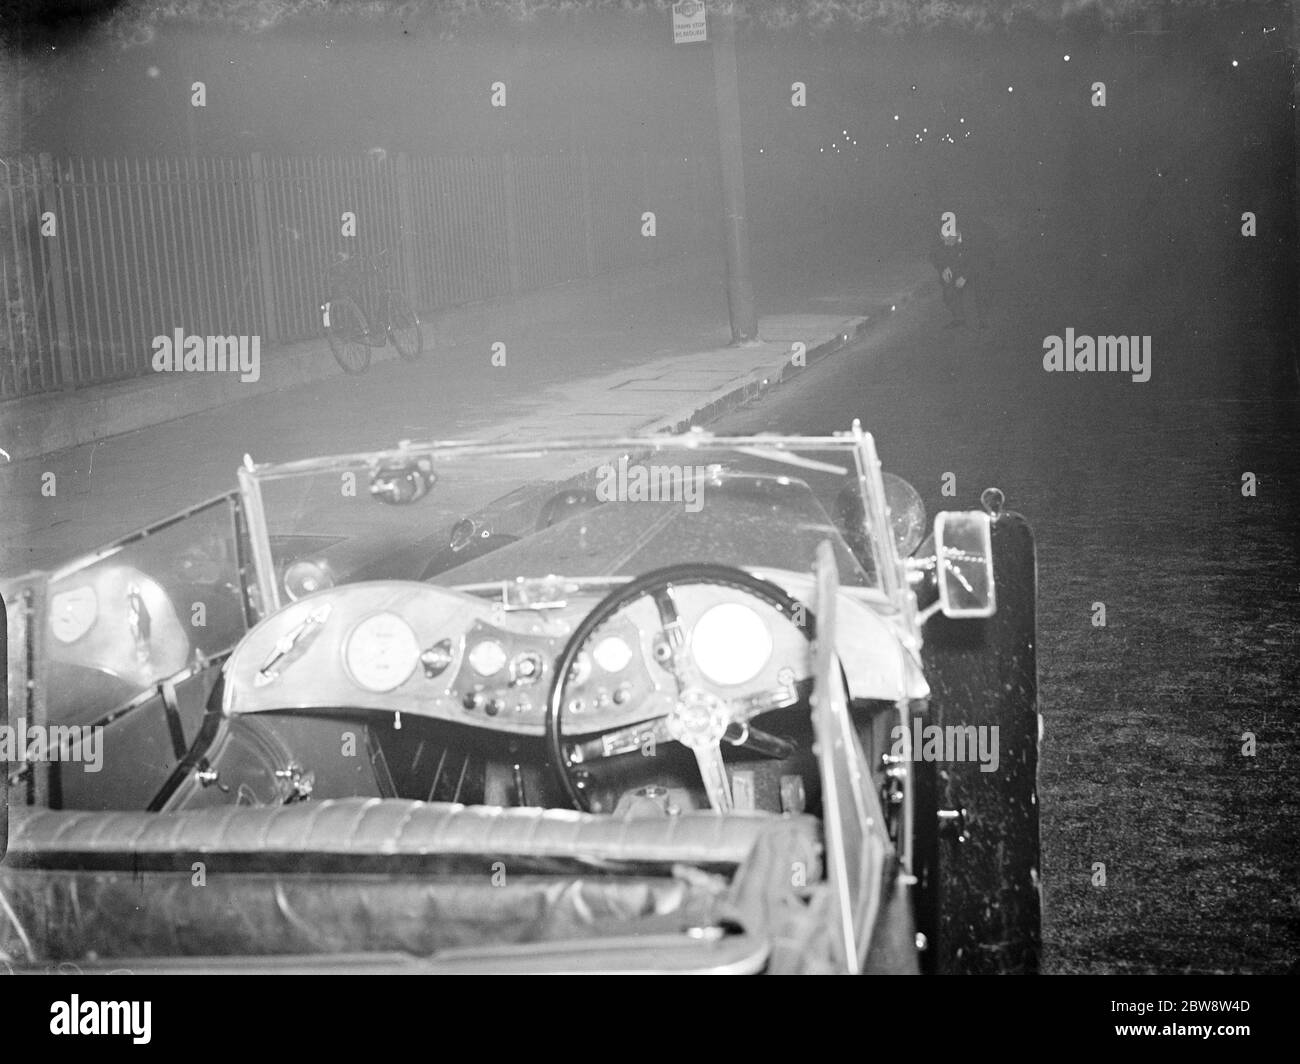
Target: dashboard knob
[493,707]
[472,700]
[526,668]
[621,694]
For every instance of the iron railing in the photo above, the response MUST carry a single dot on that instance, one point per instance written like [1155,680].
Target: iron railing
[100,256]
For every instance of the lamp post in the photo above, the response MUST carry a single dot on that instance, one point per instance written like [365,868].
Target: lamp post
[740,292]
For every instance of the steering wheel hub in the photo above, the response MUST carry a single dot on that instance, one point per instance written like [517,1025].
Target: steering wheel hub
[699,719]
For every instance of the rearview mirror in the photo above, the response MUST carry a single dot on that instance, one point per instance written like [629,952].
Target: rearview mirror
[963,547]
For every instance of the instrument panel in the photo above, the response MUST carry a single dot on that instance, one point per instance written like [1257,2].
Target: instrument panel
[508,674]
[419,649]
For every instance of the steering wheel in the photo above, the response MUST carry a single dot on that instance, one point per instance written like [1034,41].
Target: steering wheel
[701,719]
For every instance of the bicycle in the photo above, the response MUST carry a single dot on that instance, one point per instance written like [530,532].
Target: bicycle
[362,310]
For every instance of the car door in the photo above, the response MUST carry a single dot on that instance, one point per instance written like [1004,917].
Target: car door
[859,853]
[116,654]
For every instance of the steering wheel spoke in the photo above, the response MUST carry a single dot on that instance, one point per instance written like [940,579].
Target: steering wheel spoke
[783,697]
[740,734]
[717,785]
[701,718]
[629,740]
[676,653]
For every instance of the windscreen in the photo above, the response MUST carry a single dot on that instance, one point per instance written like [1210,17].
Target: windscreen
[463,517]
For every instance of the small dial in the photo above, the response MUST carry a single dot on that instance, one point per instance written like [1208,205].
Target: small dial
[72,613]
[487,658]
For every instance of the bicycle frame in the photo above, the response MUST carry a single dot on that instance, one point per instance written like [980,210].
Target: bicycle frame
[366,286]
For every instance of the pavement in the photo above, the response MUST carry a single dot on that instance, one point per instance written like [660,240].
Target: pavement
[646,351]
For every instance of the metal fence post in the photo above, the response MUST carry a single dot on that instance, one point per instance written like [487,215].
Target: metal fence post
[650,247]
[588,221]
[62,332]
[406,230]
[512,224]
[262,224]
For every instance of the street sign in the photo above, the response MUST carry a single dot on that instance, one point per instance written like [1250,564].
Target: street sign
[689,22]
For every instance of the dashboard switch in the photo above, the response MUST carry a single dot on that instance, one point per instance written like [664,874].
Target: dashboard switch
[526,668]
[493,707]
[472,700]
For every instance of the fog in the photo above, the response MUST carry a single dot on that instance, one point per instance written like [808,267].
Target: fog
[545,191]
[1161,162]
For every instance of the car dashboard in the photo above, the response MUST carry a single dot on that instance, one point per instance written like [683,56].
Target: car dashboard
[427,651]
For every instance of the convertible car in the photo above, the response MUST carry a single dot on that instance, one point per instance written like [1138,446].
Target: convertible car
[675,703]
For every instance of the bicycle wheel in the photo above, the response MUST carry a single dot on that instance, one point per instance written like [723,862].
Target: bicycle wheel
[404,327]
[345,328]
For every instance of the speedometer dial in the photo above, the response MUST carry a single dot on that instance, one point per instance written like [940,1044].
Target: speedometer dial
[381,652]
[731,643]
[612,654]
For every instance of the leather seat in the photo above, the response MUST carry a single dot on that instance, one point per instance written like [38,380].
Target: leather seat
[358,875]
[384,827]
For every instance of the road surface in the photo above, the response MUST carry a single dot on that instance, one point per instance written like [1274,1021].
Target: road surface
[1135,491]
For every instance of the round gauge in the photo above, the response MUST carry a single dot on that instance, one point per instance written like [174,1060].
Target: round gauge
[612,654]
[730,643]
[487,658]
[381,652]
[72,613]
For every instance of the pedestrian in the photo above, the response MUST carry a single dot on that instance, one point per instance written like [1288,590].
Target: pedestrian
[957,261]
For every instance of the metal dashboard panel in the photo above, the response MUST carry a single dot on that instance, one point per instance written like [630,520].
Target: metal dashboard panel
[274,671]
